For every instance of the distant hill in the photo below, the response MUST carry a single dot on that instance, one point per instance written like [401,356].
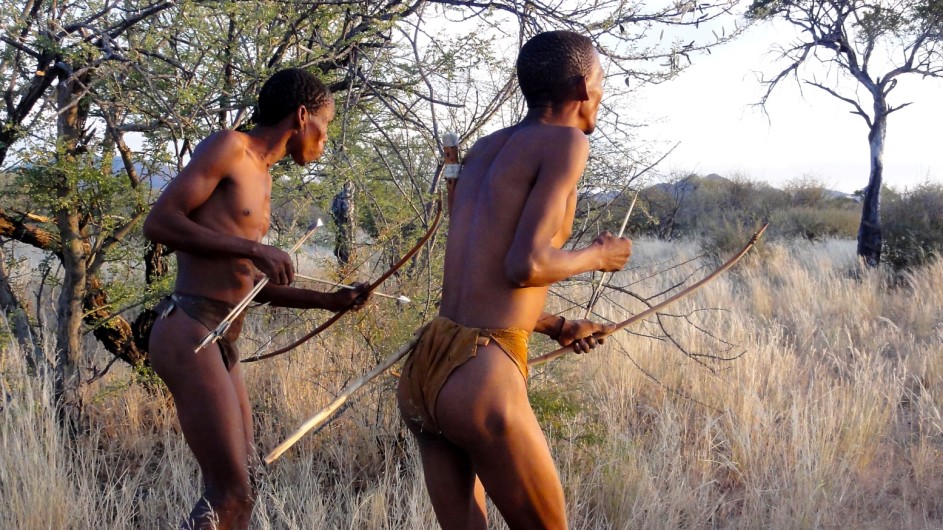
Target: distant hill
[689,184]
[696,205]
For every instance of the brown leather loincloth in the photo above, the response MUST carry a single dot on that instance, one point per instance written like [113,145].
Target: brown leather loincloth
[443,346]
[210,313]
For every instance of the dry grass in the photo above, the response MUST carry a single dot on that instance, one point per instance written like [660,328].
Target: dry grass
[832,418]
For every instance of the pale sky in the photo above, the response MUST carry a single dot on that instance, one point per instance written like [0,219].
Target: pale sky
[707,108]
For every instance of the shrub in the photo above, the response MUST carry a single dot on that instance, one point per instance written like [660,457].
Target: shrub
[721,240]
[913,226]
[817,223]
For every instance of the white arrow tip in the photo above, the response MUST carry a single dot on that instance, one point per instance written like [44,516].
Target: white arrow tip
[403,299]
[319,222]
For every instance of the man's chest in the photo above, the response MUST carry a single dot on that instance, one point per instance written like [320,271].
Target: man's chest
[246,198]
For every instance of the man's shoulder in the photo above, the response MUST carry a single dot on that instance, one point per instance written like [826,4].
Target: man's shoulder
[557,133]
[225,143]
[545,137]
[539,136]
[554,144]
[498,137]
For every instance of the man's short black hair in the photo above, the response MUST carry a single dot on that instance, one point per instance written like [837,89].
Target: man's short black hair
[287,90]
[549,64]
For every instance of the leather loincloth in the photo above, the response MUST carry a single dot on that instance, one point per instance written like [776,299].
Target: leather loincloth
[210,313]
[442,347]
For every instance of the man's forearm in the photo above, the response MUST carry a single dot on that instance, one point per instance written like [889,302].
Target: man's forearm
[179,232]
[550,325]
[285,296]
[551,265]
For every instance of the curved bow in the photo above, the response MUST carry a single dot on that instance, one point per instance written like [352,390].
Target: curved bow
[376,283]
[659,306]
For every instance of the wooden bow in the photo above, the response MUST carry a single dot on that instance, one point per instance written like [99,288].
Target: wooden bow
[405,259]
[327,412]
[658,307]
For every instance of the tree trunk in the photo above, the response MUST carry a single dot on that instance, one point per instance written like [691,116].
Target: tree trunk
[228,75]
[19,324]
[870,240]
[155,262]
[155,268]
[71,296]
[70,127]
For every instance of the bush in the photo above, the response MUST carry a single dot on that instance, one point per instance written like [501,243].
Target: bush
[722,240]
[817,223]
[913,226]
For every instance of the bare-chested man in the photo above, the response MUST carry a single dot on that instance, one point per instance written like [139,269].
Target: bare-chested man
[463,392]
[214,214]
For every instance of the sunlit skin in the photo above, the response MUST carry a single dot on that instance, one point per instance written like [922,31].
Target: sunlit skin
[215,214]
[513,209]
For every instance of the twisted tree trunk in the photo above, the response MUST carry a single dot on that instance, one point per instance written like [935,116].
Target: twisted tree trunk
[870,239]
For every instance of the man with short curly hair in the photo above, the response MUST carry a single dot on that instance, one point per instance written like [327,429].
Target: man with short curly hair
[215,214]
[463,391]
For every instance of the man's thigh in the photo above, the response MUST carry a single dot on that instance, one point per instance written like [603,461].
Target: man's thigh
[519,474]
[484,410]
[208,401]
[242,394]
[456,494]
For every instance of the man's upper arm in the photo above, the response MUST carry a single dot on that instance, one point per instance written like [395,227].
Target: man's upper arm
[561,165]
[212,160]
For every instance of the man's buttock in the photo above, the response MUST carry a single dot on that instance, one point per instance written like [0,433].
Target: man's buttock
[444,346]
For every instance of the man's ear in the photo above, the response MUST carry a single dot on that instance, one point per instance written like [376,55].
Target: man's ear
[581,88]
[301,117]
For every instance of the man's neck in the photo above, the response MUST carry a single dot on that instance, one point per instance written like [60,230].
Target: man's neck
[269,144]
[565,115]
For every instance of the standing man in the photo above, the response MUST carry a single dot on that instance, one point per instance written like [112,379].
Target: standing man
[463,392]
[215,214]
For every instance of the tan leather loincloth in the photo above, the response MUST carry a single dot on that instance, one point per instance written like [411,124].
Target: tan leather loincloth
[443,346]
[210,313]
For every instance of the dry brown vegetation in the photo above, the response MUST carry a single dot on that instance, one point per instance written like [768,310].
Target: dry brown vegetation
[831,418]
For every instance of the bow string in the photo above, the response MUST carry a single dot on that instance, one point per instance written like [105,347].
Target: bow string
[376,283]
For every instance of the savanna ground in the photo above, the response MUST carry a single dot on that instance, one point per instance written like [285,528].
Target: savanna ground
[830,418]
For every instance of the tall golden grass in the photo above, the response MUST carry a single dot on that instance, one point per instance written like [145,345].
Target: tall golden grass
[831,418]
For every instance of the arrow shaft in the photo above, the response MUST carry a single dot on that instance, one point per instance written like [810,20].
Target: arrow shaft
[345,394]
[215,335]
[602,279]
[345,286]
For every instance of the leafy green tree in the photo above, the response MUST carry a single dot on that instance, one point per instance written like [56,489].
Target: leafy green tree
[53,58]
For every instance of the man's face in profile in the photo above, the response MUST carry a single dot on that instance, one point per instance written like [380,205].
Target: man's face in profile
[590,107]
[313,135]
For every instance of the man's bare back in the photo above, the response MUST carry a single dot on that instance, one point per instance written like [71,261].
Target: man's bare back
[498,202]
[463,391]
